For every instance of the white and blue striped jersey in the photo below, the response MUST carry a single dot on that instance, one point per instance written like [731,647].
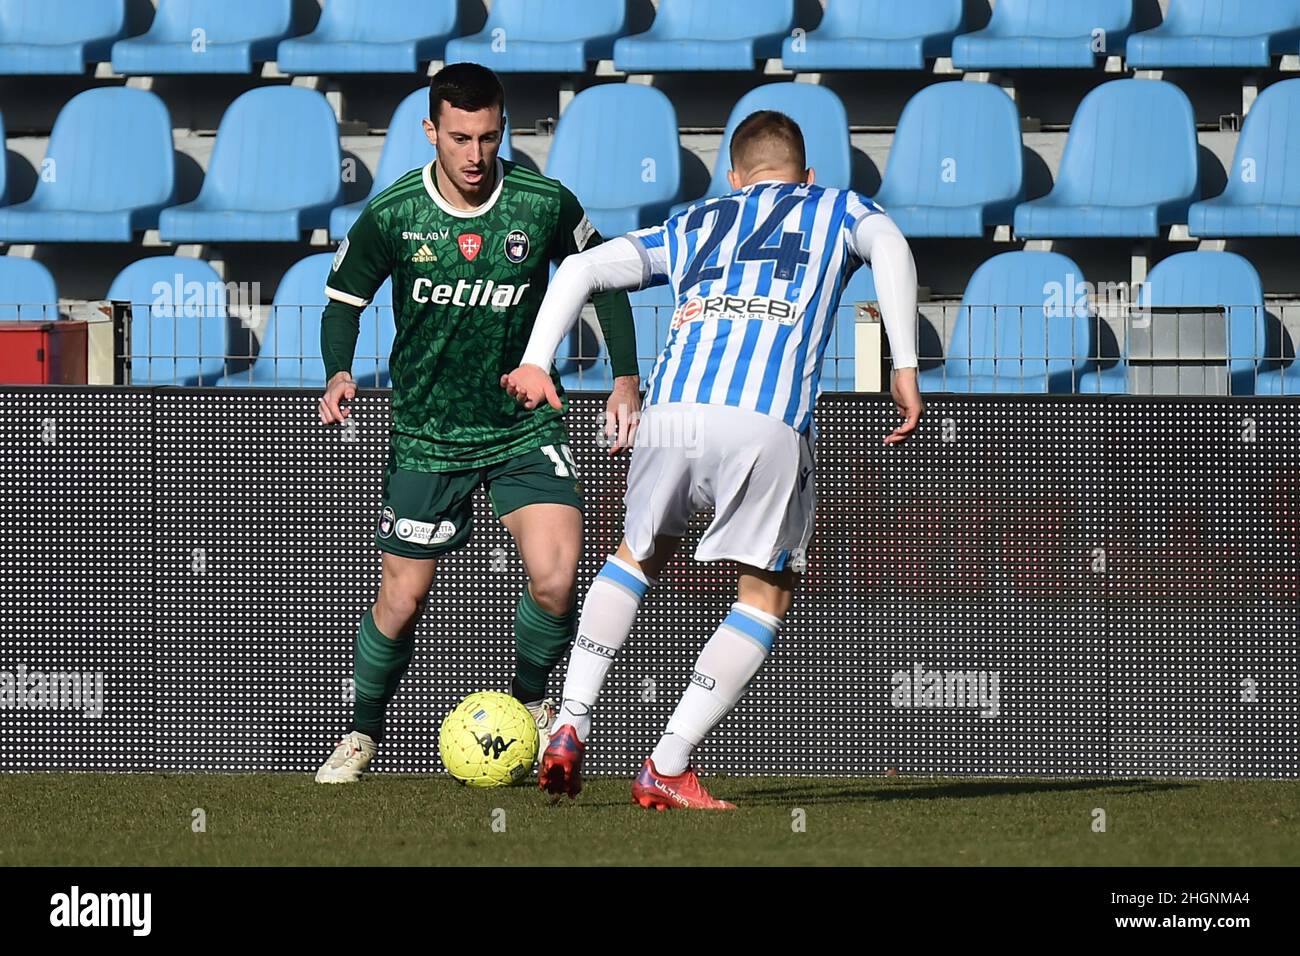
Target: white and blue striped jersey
[756,277]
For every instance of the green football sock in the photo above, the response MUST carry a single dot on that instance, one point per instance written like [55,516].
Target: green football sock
[378,666]
[541,640]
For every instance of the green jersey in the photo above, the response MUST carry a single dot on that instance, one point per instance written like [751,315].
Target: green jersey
[467,285]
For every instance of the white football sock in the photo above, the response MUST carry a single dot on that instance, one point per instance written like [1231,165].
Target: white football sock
[608,613]
[724,669]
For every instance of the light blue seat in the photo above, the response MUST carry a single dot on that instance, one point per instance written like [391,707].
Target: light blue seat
[544,36]
[178,320]
[820,115]
[1262,197]
[4,167]
[405,148]
[616,148]
[839,360]
[1130,166]
[1202,279]
[57,36]
[1218,33]
[372,36]
[876,35]
[956,167]
[1015,330]
[206,36]
[718,35]
[289,355]
[274,172]
[27,290]
[107,174]
[1046,34]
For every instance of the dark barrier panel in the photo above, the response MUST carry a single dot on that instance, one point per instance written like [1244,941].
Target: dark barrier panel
[1030,586]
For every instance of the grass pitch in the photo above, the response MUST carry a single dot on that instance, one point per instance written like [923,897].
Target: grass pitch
[282,819]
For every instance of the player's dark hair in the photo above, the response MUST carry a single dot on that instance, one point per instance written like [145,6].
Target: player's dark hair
[466,86]
[762,128]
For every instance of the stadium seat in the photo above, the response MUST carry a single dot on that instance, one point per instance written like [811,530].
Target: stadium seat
[616,147]
[1201,279]
[839,364]
[274,172]
[290,348]
[206,36]
[372,36]
[1014,331]
[1223,33]
[1262,197]
[4,166]
[876,35]
[27,290]
[1130,166]
[44,37]
[108,171]
[719,35]
[1046,34]
[819,113]
[955,167]
[178,320]
[405,148]
[375,341]
[544,36]
[1281,381]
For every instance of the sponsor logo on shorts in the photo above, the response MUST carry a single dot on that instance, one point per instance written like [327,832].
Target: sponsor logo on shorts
[738,307]
[599,649]
[517,245]
[386,520]
[425,532]
[704,680]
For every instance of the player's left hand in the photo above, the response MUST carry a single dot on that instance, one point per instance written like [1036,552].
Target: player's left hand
[623,413]
[529,384]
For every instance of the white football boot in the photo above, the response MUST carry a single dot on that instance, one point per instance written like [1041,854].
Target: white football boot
[544,714]
[349,760]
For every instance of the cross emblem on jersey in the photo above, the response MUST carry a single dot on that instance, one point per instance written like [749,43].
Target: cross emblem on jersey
[470,243]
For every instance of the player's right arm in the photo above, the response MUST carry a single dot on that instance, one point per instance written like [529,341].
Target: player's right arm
[616,264]
[362,263]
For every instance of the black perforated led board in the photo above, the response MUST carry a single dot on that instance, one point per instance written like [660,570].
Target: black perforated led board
[1030,586]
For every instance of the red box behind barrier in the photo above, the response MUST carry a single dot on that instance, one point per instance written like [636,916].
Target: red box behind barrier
[43,353]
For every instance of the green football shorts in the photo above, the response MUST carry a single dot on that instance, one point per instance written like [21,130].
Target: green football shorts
[426,514]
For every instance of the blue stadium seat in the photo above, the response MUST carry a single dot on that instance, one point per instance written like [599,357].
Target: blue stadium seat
[544,36]
[1202,279]
[1047,34]
[290,349]
[206,36]
[375,341]
[372,36]
[719,35]
[27,290]
[1209,33]
[4,166]
[1263,193]
[1014,331]
[876,35]
[1130,166]
[616,147]
[956,167]
[274,172]
[839,361]
[178,320]
[107,173]
[58,36]
[405,148]
[819,113]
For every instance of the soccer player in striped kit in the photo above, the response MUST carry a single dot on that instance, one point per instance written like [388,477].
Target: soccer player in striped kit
[757,276]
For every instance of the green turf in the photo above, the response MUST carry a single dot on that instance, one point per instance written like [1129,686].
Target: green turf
[270,819]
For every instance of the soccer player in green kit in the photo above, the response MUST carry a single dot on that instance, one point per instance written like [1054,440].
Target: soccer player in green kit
[467,240]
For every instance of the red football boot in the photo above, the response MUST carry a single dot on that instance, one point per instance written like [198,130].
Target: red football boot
[560,771]
[684,792]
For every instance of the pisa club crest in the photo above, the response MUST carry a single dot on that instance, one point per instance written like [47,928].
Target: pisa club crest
[517,246]
[470,243]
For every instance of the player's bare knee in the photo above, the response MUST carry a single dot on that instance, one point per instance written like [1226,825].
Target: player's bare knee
[398,608]
[554,591]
